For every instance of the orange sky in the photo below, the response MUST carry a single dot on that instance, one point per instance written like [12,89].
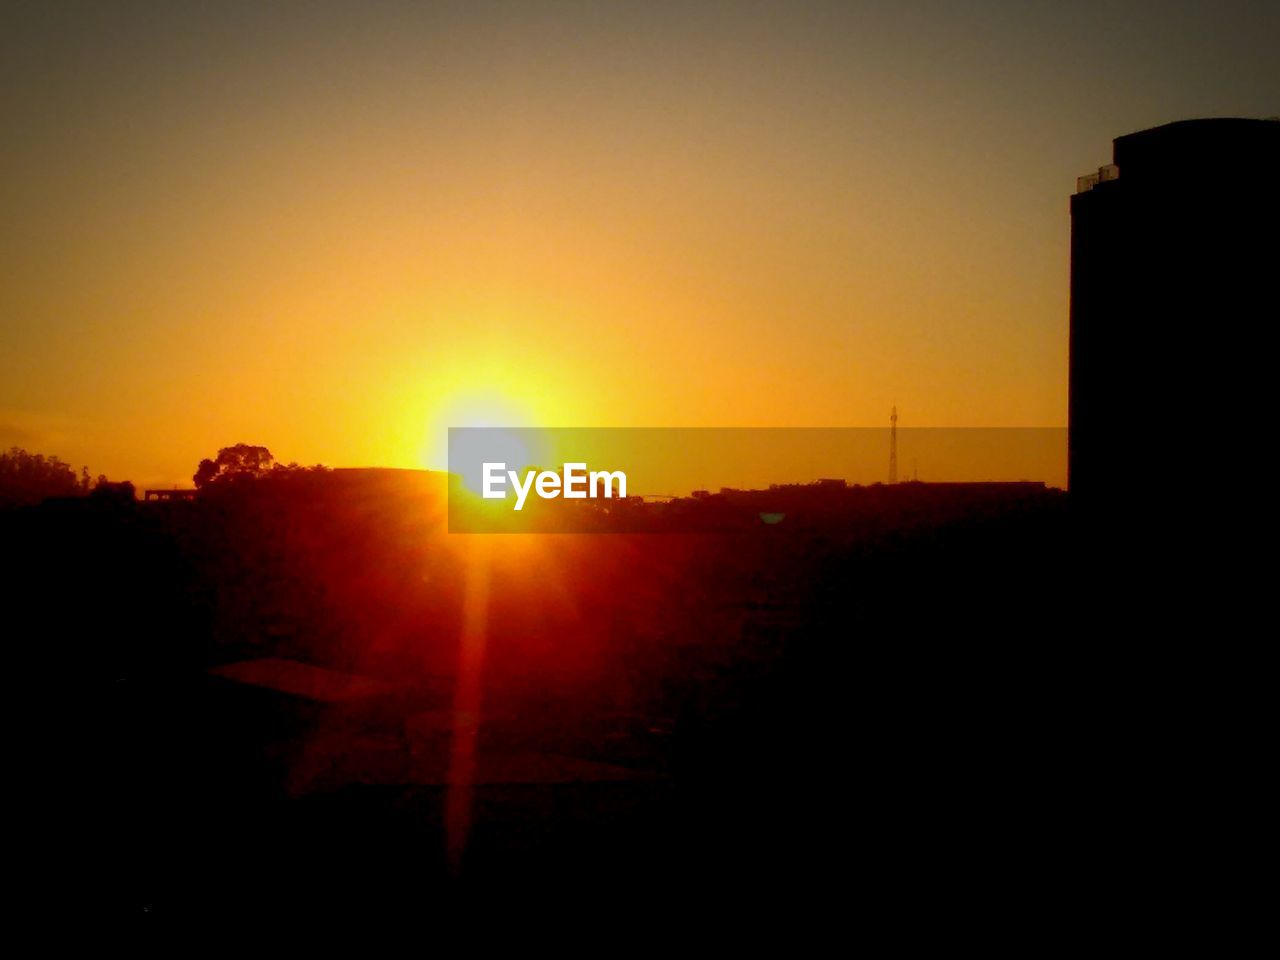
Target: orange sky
[336,230]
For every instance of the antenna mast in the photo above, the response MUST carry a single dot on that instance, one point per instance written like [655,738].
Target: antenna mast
[893,445]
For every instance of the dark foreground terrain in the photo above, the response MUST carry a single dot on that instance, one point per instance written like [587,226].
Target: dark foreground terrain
[307,697]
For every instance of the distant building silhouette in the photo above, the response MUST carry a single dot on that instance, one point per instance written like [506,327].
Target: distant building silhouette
[170,494]
[1173,259]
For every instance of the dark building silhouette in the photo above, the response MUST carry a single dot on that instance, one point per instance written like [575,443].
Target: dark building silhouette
[1173,260]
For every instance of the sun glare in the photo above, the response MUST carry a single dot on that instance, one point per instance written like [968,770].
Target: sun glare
[481,402]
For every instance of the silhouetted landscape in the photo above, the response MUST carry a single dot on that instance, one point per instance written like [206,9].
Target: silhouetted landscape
[273,672]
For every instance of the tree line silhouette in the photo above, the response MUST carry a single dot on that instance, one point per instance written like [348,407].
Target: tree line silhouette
[28,478]
[245,462]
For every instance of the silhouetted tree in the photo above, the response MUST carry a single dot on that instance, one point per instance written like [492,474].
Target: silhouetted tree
[27,478]
[241,462]
[105,490]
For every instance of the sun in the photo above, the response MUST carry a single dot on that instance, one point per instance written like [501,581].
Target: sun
[518,448]
[515,400]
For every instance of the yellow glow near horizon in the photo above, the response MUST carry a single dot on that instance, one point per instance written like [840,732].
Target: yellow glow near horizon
[487,396]
[338,234]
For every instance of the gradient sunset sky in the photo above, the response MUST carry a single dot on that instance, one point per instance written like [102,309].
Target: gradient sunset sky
[336,229]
